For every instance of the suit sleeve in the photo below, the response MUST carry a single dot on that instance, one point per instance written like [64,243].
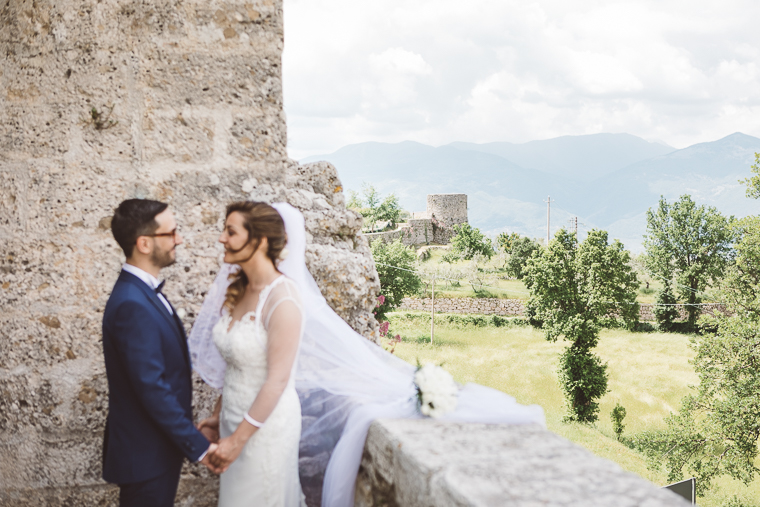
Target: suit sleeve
[139,344]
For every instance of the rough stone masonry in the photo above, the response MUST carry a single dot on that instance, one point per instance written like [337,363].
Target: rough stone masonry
[102,100]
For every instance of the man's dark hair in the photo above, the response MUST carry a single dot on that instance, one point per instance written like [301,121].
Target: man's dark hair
[134,218]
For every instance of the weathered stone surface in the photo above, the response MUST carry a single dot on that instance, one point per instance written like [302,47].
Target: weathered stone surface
[429,463]
[102,100]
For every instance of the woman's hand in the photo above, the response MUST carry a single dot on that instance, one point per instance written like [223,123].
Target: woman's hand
[209,427]
[227,451]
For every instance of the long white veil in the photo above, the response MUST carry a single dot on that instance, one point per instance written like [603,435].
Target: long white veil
[343,380]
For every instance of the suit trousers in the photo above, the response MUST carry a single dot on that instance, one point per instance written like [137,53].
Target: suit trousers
[157,492]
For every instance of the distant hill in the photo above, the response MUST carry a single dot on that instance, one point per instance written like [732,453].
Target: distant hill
[607,180]
[583,158]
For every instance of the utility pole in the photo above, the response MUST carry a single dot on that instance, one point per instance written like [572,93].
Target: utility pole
[548,202]
[432,310]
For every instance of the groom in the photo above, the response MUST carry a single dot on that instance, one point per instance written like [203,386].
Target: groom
[150,428]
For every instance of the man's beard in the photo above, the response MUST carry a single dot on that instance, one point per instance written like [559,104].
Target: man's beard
[162,259]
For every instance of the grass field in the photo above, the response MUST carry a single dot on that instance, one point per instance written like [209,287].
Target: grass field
[493,277]
[649,374]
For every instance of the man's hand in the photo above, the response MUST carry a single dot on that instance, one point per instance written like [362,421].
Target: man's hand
[209,427]
[207,459]
[225,453]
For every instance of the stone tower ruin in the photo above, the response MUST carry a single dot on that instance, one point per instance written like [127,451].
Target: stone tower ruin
[451,209]
[102,100]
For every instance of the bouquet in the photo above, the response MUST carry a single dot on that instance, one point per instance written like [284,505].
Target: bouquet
[436,390]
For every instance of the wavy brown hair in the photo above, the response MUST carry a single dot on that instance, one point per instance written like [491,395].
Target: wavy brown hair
[261,221]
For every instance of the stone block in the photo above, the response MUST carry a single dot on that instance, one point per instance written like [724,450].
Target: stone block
[430,463]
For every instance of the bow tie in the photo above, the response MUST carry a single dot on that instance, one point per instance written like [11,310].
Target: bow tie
[160,287]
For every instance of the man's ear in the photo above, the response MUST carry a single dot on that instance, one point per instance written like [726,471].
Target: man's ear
[144,245]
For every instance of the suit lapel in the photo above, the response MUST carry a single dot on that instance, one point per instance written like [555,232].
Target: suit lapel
[173,320]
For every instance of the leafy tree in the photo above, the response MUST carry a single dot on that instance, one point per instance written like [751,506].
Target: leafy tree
[469,241]
[716,431]
[505,240]
[394,283]
[373,208]
[574,287]
[689,242]
[753,183]
[521,249]
[665,311]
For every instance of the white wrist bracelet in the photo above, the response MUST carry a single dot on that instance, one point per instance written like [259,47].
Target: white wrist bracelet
[253,421]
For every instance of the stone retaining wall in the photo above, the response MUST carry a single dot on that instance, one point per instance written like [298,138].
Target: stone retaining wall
[484,306]
[426,463]
[515,307]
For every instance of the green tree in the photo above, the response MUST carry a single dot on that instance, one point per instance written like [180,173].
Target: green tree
[374,208]
[573,289]
[689,243]
[468,241]
[665,311]
[394,283]
[716,431]
[521,249]
[753,182]
[505,240]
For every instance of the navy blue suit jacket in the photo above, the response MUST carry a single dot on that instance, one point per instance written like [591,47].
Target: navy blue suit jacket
[150,416]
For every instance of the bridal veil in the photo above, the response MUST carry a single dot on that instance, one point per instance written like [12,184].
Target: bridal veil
[344,381]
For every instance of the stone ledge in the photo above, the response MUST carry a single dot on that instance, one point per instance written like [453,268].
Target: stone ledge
[429,463]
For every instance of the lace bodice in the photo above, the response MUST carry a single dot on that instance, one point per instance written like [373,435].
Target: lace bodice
[244,344]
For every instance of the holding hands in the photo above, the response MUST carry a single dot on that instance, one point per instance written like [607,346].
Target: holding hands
[222,452]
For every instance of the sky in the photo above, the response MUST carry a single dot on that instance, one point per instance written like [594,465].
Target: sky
[439,71]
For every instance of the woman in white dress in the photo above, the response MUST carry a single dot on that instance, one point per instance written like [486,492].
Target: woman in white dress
[344,381]
[258,416]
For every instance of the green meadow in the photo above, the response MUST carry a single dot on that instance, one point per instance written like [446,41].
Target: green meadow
[649,374]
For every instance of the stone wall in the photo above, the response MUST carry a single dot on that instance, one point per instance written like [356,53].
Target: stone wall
[494,306]
[415,232]
[483,306]
[177,100]
[427,463]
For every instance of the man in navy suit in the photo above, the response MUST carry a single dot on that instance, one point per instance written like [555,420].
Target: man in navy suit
[149,430]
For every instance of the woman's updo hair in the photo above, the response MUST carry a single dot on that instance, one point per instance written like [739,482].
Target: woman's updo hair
[261,221]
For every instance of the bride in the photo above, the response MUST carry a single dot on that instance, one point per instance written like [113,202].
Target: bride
[343,382]
[259,415]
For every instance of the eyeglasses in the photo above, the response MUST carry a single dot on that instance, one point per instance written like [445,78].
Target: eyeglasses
[172,234]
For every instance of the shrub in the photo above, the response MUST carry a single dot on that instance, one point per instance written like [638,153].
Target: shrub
[616,416]
[664,311]
[394,283]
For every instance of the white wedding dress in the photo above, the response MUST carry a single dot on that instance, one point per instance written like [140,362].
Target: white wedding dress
[344,382]
[266,472]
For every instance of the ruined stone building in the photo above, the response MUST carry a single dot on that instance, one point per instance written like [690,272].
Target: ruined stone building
[434,225]
[102,100]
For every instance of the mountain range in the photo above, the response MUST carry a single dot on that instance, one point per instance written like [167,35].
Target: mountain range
[608,181]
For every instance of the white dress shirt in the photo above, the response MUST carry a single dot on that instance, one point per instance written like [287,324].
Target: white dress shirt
[152,282]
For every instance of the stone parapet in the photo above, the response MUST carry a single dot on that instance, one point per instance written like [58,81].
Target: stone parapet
[426,463]
[515,307]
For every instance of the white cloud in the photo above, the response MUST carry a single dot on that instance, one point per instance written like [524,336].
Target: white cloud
[438,71]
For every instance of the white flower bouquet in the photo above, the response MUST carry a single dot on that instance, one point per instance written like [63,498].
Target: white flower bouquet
[436,390]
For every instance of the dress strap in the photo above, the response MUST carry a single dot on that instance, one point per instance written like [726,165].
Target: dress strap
[265,295]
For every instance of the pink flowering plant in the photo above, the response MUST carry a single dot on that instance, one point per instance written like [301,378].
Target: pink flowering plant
[390,346]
